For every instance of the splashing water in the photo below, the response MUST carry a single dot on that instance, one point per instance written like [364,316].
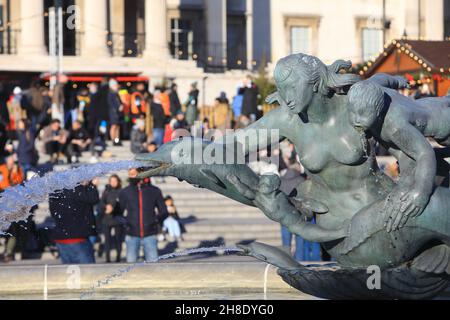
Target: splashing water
[16,202]
[120,272]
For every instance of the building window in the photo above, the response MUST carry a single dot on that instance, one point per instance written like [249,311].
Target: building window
[300,39]
[2,45]
[447,19]
[181,39]
[236,42]
[70,37]
[372,42]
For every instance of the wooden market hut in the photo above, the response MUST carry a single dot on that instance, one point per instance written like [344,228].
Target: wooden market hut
[417,60]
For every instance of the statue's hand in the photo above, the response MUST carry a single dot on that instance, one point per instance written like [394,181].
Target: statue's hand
[273,98]
[246,190]
[265,195]
[269,199]
[401,205]
[403,83]
[308,207]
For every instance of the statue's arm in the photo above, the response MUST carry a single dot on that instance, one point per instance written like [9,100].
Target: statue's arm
[413,196]
[412,142]
[287,215]
[312,232]
[277,207]
[389,81]
[270,129]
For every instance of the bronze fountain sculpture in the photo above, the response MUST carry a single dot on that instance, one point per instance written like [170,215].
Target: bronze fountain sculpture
[362,217]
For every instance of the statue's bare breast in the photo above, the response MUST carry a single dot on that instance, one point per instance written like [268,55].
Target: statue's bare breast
[330,139]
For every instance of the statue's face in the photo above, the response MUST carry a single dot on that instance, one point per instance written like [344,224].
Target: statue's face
[362,116]
[297,93]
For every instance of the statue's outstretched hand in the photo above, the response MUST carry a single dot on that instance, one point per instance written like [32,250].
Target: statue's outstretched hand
[264,195]
[246,190]
[403,83]
[402,205]
[268,198]
[273,98]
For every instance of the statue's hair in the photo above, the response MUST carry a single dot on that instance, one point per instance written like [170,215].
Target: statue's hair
[367,95]
[326,79]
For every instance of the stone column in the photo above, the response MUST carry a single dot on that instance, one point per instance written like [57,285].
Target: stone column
[32,41]
[156,44]
[434,24]
[216,29]
[249,30]
[94,17]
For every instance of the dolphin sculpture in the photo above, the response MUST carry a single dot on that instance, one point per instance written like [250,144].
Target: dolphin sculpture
[200,163]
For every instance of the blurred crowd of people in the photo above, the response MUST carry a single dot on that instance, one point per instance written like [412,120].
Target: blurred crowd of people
[69,121]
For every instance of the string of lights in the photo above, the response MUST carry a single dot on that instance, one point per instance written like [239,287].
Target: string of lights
[402,47]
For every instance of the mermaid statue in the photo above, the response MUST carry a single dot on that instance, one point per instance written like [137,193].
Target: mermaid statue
[371,225]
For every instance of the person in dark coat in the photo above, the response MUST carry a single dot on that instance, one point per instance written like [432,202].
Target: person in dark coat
[146,210]
[159,119]
[54,138]
[179,122]
[26,150]
[192,105]
[77,141]
[98,107]
[4,112]
[103,92]
[175,105]
[115,109]
[45,117]
[250,94]
[3,141]
[73,213]
[33,103]
[111,218]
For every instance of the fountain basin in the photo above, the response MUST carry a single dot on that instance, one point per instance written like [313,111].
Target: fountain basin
[187,280]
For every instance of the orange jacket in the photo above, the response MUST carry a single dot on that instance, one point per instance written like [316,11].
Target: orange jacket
[138,109]
[9,178]
[165,102]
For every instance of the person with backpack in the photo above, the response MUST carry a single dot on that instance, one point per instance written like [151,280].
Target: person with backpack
[73,213]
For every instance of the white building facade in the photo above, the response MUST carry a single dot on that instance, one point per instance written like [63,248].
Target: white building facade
[213,42]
